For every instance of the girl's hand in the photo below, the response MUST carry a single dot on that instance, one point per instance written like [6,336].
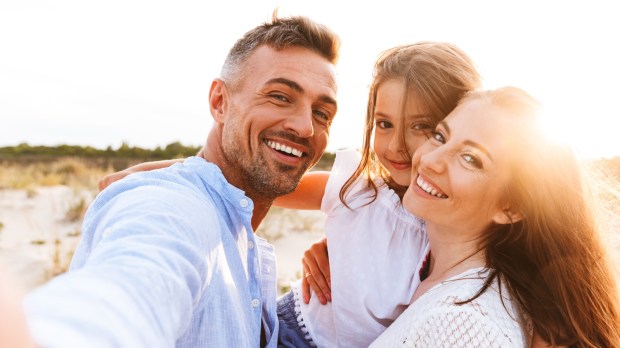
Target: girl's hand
[316,272]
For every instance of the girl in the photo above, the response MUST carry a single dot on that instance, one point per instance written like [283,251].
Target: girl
[513,241]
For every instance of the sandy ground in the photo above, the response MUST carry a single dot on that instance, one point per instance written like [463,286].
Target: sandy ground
[37,240]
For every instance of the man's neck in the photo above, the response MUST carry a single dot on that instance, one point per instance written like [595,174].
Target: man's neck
[211,152]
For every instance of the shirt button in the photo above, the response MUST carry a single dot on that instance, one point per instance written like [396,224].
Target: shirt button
[255,303]
[243,203]
[250,245]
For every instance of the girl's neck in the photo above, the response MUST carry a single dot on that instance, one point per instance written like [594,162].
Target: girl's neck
[398,189]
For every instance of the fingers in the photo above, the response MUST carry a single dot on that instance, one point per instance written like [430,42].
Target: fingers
[110,178]
[316,272]
[305,285]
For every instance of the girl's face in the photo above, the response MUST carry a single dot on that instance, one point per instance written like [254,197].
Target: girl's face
[461,172]
[390,123]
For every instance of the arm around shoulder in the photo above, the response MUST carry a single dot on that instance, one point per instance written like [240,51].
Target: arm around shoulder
[309,193]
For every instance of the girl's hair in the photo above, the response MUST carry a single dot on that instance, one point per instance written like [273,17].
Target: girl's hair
[437,74]
[553,259]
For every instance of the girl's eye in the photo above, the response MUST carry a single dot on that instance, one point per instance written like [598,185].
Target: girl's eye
[437,136]
[384,124]
[422,126]
[473,160]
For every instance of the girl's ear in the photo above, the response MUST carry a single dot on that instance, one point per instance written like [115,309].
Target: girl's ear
[507,216]
[218,98]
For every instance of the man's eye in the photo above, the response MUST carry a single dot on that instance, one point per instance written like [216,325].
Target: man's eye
[323,116]
[280,97]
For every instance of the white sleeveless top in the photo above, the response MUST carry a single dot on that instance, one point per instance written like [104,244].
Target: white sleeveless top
[375,251]
[434,320]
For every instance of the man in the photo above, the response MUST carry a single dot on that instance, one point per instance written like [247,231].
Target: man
[169,257]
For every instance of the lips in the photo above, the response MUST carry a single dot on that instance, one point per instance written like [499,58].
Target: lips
[429,188]
[400,165]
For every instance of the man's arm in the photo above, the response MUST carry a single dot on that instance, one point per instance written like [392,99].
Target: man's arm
[141,267]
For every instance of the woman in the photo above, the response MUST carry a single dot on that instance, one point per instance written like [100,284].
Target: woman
[513,245]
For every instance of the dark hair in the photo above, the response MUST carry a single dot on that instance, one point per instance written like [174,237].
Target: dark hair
[553,260]
[280,33]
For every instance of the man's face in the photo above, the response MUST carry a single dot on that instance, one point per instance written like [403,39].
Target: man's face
[276,123]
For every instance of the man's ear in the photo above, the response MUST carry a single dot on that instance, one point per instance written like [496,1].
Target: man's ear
[218,97]
[507,216]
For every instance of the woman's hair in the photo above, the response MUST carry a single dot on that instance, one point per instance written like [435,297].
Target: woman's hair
[280,33]
[553,259]
[436,74]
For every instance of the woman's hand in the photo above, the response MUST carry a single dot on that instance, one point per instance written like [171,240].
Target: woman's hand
[316,272]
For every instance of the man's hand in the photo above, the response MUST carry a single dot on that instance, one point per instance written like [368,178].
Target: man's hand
[316,272]
[13,329]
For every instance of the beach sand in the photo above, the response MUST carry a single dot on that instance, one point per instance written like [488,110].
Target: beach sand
[37,238]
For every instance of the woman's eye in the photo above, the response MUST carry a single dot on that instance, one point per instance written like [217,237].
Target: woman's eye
[437,136]
[384,124]
[473,160]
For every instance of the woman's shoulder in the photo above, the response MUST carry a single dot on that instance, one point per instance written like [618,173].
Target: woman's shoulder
[444,315]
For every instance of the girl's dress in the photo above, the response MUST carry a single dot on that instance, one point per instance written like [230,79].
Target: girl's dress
[375,250]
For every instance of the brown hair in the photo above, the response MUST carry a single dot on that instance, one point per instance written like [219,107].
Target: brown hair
[280,33]
[553,259]
[437,73]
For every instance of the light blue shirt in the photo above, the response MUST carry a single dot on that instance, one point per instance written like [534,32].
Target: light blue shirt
[160,265]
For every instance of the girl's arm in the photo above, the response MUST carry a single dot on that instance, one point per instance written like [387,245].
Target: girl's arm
[308,195]
[140,167]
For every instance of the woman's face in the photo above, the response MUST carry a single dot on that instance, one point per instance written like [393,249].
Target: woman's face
[460,173]
[390,123]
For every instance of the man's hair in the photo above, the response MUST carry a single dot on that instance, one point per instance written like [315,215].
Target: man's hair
[280,33]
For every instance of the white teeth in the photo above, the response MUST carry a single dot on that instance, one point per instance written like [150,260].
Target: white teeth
[430,190]
[284,148]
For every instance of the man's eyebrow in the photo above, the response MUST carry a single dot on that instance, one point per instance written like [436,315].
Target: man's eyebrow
[292,84]
[295,86]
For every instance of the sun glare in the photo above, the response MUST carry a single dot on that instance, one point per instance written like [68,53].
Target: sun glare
[582,128]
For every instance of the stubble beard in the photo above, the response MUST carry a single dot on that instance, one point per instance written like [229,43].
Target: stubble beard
[269,180]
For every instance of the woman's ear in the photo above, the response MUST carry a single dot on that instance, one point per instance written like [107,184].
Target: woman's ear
[507,216]
[218,98]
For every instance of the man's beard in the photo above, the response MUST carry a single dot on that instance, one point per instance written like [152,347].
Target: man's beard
[258,175]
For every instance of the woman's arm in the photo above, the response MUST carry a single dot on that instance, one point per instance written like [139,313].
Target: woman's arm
[140,167]
[308,194]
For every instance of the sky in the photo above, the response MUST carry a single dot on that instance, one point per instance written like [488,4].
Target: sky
[100,73]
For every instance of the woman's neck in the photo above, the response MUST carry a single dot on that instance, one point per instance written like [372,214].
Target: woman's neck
[452,253]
